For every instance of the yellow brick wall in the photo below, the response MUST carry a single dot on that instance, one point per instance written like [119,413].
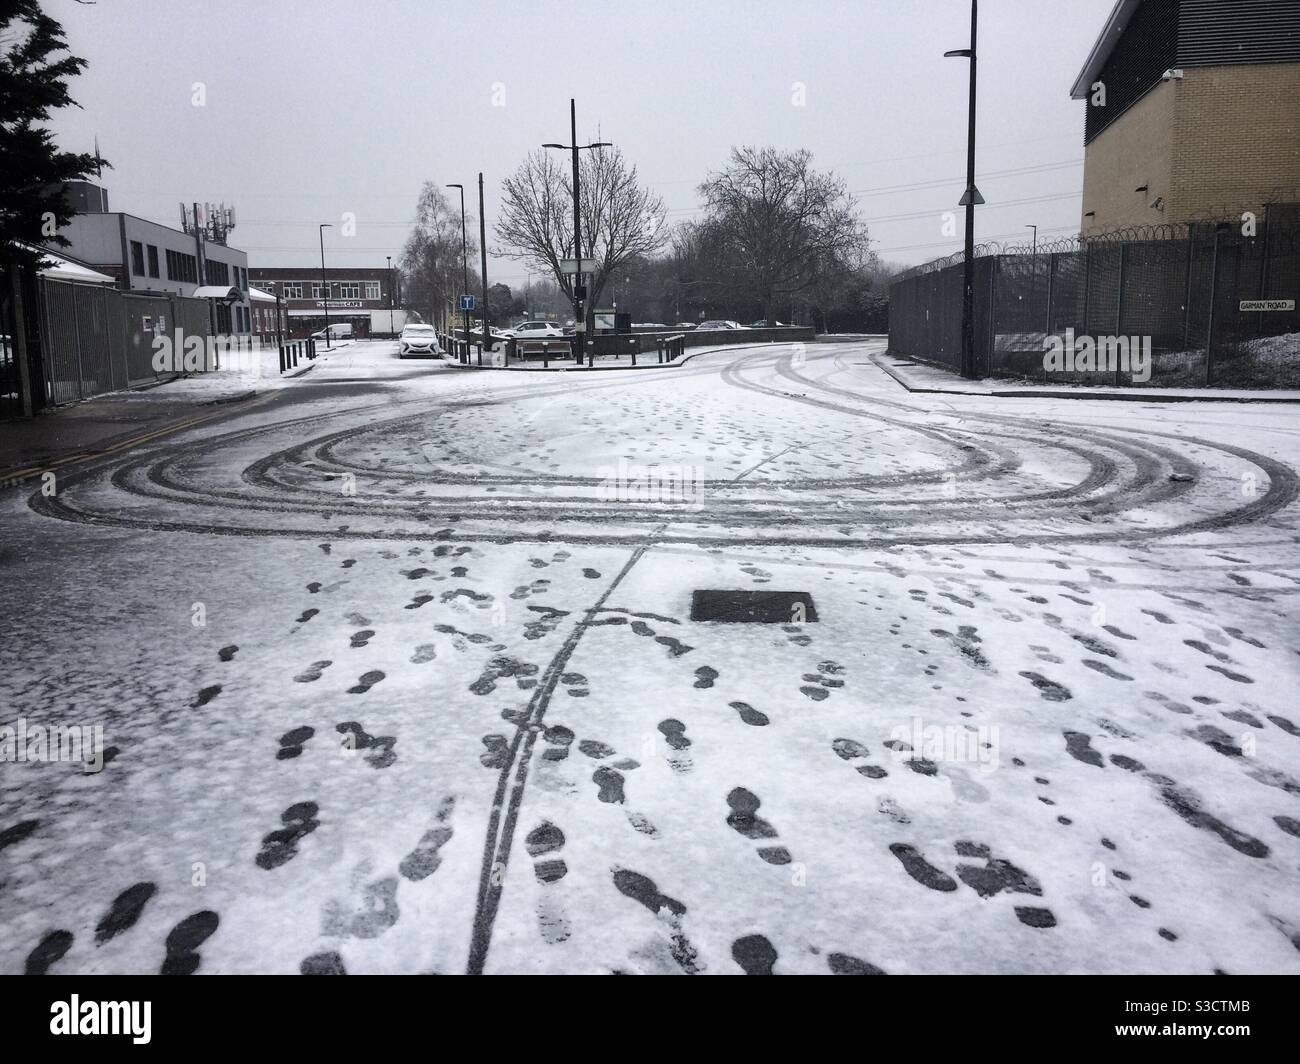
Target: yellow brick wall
[1136,149]
[1219,137]
[1236,137]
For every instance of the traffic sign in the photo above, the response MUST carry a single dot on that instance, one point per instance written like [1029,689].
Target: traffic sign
[466,302]
[571,266]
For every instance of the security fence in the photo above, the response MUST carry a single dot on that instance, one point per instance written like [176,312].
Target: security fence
[84,340]
[1216,306]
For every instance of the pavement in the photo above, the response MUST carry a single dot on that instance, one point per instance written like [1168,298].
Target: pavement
[398,669]
[919,377]
[118,421]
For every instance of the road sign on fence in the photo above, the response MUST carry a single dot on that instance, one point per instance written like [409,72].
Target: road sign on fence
[1267,304]
[466,302]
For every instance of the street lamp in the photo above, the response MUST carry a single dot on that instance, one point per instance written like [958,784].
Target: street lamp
[579,292]
[324,284]
[969,199]
[391,327]
[464,257]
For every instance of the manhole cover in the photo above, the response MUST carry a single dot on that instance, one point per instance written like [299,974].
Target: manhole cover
[753,607]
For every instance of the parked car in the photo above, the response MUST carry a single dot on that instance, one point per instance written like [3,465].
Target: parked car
[535,330]
[763,324]
[337,331]
[417,340]
[684,325]
[719,325]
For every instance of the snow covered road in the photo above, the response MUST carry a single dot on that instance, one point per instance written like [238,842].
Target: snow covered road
[397,674]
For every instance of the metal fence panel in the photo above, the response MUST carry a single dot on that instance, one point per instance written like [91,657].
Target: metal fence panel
[1181,296]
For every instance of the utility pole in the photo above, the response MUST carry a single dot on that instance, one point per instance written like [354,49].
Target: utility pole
[391,328]
[579,290]
[324,284]
[969,199]
[464,258]
[482,249]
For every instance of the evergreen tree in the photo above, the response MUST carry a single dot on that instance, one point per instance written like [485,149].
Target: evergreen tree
[33,83]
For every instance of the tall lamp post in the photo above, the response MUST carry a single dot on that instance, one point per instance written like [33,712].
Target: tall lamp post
[969,199]
[482,249]
[391,328]
[464,257]
[579,291]
[324,284]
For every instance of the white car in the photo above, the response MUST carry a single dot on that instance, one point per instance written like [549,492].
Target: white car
[718,326]
[536,330]
[417,340]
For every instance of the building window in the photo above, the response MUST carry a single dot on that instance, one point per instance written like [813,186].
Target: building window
[153,261]
[319,291]
[372,289]
[292,289]
[182,267]
[218,272]
[349,290]
[137,258]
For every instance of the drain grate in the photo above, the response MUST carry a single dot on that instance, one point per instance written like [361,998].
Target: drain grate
[753,607]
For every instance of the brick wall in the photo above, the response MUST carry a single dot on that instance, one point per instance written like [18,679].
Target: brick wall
[1220,137]
[1236,137]
[1136,149]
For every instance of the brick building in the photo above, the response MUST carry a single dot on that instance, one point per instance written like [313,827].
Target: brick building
[354,292]
[1193,111]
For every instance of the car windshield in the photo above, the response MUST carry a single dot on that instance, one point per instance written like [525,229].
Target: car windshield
[417,330]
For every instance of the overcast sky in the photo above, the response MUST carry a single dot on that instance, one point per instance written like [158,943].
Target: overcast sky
[318,108]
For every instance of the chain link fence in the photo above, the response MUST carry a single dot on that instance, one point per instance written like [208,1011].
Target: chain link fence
[1215,305]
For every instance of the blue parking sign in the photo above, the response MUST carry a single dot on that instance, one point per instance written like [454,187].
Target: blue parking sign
[466,302]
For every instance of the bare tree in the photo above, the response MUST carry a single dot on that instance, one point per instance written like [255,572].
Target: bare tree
[775,228]
[620,219]
[431,257]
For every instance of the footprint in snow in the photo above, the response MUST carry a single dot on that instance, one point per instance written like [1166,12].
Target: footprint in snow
[544,844]
[313,672]
[743,818]
[185,939]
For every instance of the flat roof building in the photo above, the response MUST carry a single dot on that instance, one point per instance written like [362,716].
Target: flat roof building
[1192,112]
[150,258]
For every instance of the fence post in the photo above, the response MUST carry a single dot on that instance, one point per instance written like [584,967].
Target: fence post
[1119,305]
[1263,272]
[1209,329]
[994,264]
[1187,295]
[1051,279]
[18,344]
[1087,285]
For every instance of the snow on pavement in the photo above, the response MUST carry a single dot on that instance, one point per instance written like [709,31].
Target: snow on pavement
[447,711]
